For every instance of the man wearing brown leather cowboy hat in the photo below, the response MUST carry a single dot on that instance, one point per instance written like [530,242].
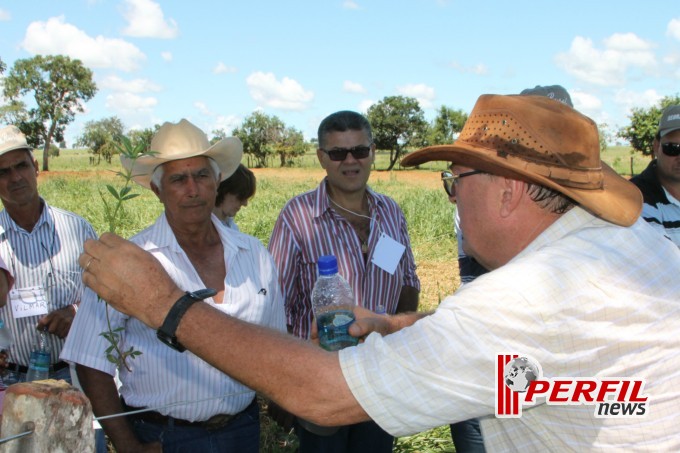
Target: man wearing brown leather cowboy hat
[189,405]
[572,287]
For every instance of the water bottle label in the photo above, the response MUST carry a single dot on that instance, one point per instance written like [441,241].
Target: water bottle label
[40,360]
[333,330]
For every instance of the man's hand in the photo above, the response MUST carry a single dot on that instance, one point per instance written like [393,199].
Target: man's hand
[128,278]
[58,322]
[367,322]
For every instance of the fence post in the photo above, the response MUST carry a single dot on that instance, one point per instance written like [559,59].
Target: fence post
[61,416]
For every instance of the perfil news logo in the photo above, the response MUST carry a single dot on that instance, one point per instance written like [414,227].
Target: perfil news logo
[520,381]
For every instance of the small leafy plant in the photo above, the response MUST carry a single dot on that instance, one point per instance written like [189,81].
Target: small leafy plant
[112,211]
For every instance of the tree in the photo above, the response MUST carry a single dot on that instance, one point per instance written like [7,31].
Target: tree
[2,66]
[291,144]
[143,137]
[644,124]
[446,126]
[398,123]
[603,132]
[259,133]
[101,137]
[60,87]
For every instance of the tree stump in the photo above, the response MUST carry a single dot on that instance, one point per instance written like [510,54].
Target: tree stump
[59,414]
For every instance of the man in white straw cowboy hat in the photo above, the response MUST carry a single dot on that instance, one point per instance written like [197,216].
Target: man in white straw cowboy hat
[189,404]
[573,290]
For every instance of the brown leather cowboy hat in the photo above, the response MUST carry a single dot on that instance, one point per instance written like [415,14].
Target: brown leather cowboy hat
[536,139]
[175,141]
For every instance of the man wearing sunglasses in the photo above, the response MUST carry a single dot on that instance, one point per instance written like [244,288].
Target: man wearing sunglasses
[660,181]
[345,218]
[572,285]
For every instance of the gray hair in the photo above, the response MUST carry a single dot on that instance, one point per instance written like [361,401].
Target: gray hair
[157,174]
[549,199]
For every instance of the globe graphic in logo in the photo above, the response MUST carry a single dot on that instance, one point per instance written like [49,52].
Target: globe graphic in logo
[519,373]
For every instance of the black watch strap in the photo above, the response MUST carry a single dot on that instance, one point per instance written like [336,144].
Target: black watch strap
[167,332]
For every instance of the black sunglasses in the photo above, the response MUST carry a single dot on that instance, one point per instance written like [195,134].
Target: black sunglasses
[340,154]
[671,149]
[450,180]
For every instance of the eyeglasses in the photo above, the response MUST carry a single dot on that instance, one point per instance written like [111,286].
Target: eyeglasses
[340,154]
[671,149]
[450,180]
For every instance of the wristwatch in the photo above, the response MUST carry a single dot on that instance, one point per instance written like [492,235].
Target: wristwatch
[167,332]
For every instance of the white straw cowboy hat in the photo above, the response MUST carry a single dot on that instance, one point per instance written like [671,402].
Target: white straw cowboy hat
[181,141]
[11,139]
[536,139]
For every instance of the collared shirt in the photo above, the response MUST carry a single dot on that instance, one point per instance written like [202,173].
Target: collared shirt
[585,299]
[660,208]
[308,228]
[45,258]
[161,376]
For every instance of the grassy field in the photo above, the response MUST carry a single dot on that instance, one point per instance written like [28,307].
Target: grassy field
[74,184]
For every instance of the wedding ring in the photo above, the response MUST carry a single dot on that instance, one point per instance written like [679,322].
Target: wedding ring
[87,266]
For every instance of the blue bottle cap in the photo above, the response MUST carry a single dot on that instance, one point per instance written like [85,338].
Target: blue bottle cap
[328,265]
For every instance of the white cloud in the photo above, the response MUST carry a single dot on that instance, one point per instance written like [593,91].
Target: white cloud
[130,103]
[365,105]
[146,20]
[423,93]
[585,102]
[478,69]
[611,66]
[58,37]
[673,29]
[353,87]
[286,94]
[222,68]
[167,56]
[227,123]
[202,108]
[5,15]
[349,4]
[644,99]
[115,83]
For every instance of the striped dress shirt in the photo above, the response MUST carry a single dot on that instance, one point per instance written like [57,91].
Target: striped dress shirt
[182,385]
[47,257]
[660,209]
[308,228]
[585,299]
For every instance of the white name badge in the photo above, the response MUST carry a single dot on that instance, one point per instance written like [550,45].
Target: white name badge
[30,301]
[387,254]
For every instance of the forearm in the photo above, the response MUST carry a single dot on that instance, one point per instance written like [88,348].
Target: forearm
[403,320]
[273,363]
[101,390]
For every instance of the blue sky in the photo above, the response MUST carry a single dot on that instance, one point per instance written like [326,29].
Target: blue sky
[215,62]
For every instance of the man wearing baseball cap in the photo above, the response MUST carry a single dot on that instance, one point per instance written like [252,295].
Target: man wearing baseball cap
[181,401]
[660,181]
[40,244]
[572,285]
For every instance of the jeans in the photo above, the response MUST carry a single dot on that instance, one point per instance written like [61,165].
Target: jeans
[241,434]
[467,437]
[365,437]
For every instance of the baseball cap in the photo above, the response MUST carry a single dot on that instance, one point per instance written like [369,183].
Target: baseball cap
[670,120]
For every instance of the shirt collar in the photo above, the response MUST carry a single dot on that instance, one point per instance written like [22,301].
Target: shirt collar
[322,202]
[45,218]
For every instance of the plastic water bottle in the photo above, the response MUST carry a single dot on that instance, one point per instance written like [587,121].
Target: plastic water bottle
[333,303]
[39,366]
[5,336]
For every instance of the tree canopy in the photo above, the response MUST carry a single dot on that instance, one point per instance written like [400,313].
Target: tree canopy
[398,124]
[60,87]
[259,133]
[100,136]
[644,124]
[446,126]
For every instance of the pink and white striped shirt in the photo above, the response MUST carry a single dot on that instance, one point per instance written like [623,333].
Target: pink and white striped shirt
[308,228]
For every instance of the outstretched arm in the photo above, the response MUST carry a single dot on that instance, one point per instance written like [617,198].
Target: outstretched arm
[270,362]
